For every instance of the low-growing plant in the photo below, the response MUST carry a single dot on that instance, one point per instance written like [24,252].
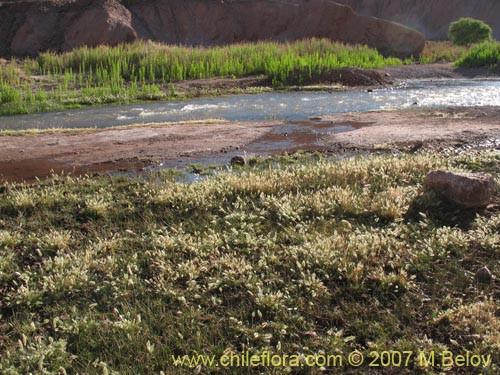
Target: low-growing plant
[297,255]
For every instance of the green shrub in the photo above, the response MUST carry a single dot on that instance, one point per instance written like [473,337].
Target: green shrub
[8,94]
[467,31]
[486,54]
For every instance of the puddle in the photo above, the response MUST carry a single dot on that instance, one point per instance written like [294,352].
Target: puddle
[300,135]
[30,169]
[285,138]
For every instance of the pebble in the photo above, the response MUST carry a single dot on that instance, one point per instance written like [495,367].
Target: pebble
[483,275]
[238,160]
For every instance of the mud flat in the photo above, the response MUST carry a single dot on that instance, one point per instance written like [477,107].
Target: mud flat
[26,157]
[435,128]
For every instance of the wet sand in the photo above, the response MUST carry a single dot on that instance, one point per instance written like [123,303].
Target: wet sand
[30,156]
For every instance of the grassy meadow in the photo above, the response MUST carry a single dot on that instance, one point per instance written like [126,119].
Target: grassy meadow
[297,255]
[146,71]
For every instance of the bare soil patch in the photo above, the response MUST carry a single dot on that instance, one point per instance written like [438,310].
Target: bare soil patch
[434,128]
[434,71]
[30,156]
[350,78]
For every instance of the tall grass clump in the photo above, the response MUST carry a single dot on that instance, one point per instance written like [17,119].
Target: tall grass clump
[10,74]
[147,70]
[8,94]
[486,55]
[153,62]
[441,51]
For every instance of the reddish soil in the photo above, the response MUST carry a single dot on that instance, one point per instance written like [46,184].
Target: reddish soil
[29,27]
[348,78]
[433,128]
[430,17]
[434,71]
[30,156]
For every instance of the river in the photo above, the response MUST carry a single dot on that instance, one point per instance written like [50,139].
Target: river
[287,106]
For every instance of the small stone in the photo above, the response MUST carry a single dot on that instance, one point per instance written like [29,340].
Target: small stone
[470,190]
[483,275]
[416,146]
[238,160]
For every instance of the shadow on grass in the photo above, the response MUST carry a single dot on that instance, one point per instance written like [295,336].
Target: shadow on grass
[440,211]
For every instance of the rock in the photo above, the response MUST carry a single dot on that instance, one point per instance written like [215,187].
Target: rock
[430,17]
[63,24]
[483,275]
[417,145]
[34,34]
[236,21]
[238,160]
[105,22]
[29,27]
[470,190]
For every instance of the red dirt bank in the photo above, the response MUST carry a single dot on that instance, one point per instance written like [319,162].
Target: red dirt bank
[29,27]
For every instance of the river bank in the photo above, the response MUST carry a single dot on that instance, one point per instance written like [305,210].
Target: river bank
[337,80]
[178,145]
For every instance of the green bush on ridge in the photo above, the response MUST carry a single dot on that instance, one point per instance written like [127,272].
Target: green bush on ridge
[468,31]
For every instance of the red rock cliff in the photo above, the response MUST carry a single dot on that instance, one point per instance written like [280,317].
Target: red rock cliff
[431,17]
[28,27]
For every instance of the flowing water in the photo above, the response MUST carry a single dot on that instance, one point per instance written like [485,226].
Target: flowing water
[286,106]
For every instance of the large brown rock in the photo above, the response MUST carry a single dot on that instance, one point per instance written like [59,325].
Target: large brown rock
[34,34]
[30,27]
[470,190]
[430,17]
[63,25]
[220,22]
[105,22]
